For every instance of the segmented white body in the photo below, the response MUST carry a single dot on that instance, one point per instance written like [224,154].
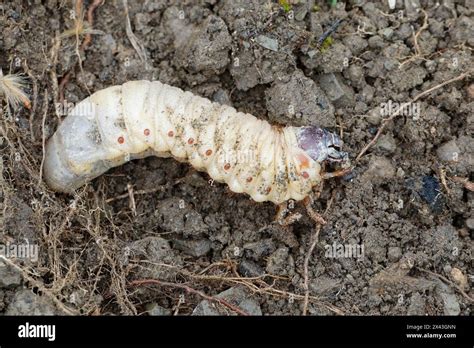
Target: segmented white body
[142,118]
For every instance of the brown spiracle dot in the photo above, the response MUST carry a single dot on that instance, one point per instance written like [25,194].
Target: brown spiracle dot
[268,190]
[146,132]
[171,134]
[121,140]
[209,152]
[227,166]
[249,179]
[305,175]
[190,141]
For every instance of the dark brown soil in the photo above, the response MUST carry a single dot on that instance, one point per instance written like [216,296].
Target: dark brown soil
[404,211]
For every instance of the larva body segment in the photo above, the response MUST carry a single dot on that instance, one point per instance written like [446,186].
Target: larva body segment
[142,118]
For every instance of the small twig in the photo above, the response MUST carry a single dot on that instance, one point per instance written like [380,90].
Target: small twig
[52,72]
[467,184]
[90,19]
[418,53]
[189,290]
[423,27]
[442,177]
[178,306]
[43,135]
[137,45]
[458,288]
[62,85]
[132,204]
[402,107]
[315,239]
[35,97]
[429,90]
[88,38]
[139,192]
[86,42]
[248,282]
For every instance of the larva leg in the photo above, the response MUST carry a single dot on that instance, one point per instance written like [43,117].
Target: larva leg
[308,203]
[282,210]
[337,173]
[282,218]
[312,213]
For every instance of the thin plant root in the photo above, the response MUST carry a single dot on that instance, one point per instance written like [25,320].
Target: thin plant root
[137,45]
[78,30]
[457,287]
[469,185]
[314,241]
[190,290]
[40,286]
[35,97]
[256,285]
[418,54]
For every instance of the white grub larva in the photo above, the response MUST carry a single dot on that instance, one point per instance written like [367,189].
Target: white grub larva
[142,118]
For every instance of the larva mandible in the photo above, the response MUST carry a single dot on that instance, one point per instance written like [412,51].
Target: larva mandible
[143,118]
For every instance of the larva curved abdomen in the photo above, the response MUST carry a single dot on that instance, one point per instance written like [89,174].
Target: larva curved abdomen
[142,118]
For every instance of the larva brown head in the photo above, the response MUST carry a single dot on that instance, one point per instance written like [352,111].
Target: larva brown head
[322,145]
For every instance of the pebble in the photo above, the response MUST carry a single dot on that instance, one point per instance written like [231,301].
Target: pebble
[25,302]
[386,33]
[154,309]
[236,296]
[404,32]
[355,43]
[381,168]
[470,223]
[376,42]
[417,305]
[195,248]
[222,97]
[336,90]
[301,12]
[260,248]
[9,277]
[412,7]
[248,268]
[368,93]
[355,73]
[390,64]
[374,116]
[431,65]
[267,42]
[447,295]
[278,262]
[386,143]
[394,254]
[324,285]
[448,152]
[459,277]
[470,91]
